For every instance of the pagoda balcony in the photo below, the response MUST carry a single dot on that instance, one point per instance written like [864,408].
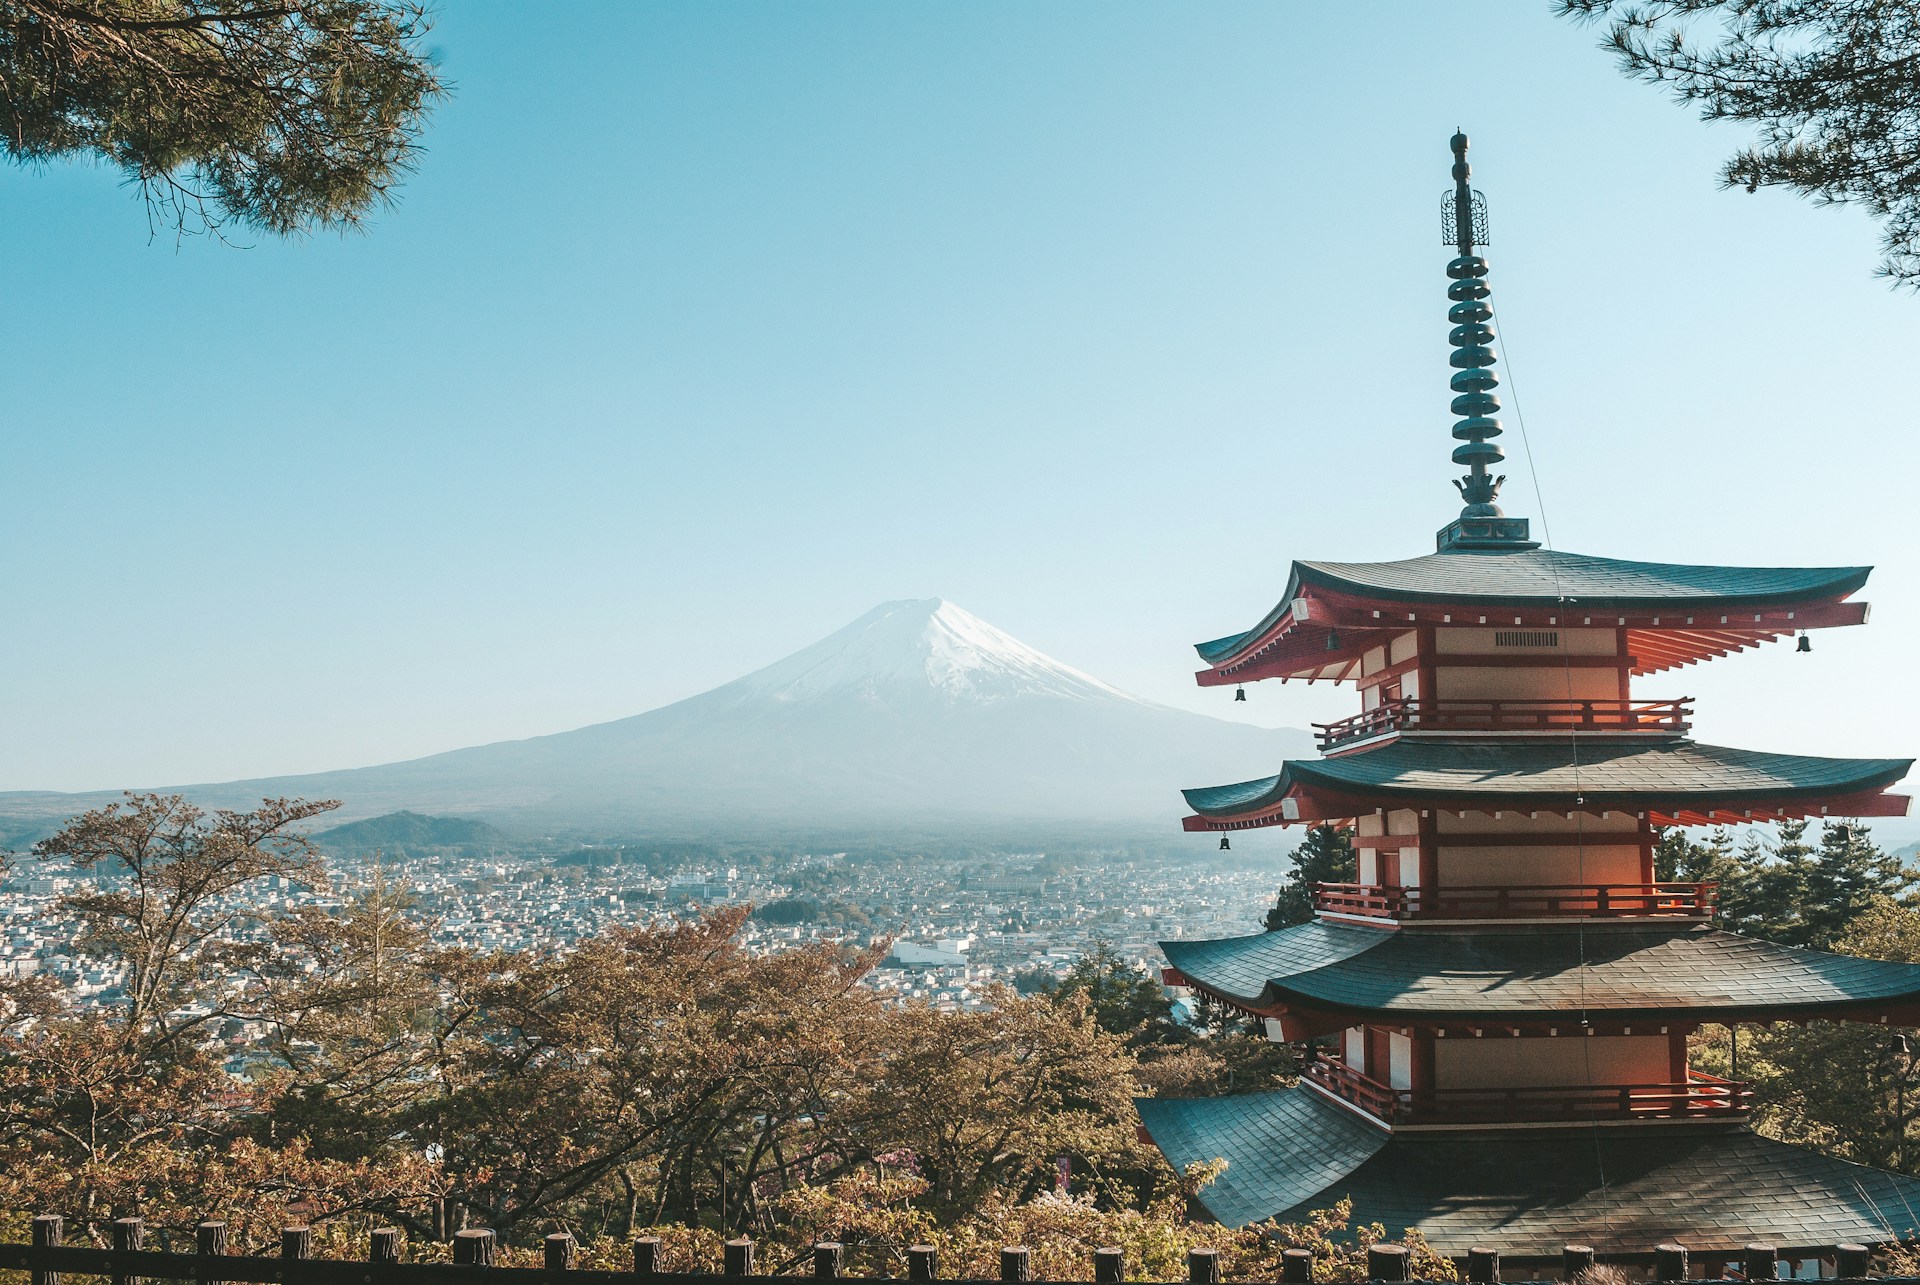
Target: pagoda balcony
[1701,1097]
[1520,901]
[1417,714]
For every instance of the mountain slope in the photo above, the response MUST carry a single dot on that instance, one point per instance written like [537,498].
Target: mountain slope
[917,717]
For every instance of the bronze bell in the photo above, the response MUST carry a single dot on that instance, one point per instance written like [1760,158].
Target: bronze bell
[1333,640]
[1805,644]
[1224,845]
[1239,693]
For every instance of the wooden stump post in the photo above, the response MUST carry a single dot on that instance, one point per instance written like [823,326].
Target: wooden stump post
[296,1243]
[738,1259]
[1669,1262]
[1575,1259]
[646,1257]
[1015,1264]
[1109,1265]
[1387,1262]
[558,1255]
[1762,1262]
[1203,1267]
[209,1241]
[1483,1265]
[826,1260]
[48,1231]
[922,1263]
[1852,1261]
[383,1246]
[129,1235]
[474,1247]
[1296,1266]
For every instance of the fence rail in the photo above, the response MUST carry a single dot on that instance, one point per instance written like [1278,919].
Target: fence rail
[47,1258]
[1420,714]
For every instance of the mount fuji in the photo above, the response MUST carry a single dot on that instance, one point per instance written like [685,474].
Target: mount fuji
[918,718]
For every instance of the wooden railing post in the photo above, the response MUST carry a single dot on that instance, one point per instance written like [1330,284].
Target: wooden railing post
[48,1232]
[1483,1265]
[646,1257]
[922,1263]
[296,1242]
[1669,1262]
[826,1260]
[1109,1266]
[1203,1267]
[1296,1266]
[129,1235]
[738,1257]
[1575,1259]
[383,1245]
[1852,1262]
[474,1247]
[558,1255]
[1762,1262]
[1016,1264]
[209,1241]
[1387,1262]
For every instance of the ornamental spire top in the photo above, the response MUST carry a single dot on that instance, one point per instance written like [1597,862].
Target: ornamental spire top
[1463,224]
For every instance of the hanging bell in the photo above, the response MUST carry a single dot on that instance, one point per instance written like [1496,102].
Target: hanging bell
[1333,640]
[1239,693]
[1224,845]
[1805,643]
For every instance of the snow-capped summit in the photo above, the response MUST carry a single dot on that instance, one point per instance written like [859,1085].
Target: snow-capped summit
[916,719]
[914,649]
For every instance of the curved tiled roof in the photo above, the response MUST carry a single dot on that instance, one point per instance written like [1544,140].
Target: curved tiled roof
[1537,974]
[1529,1193]
[1553,774]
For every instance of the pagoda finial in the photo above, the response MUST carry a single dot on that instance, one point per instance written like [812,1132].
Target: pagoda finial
[1463,224]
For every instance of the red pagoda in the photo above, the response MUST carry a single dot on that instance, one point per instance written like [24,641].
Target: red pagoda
[1500,1005]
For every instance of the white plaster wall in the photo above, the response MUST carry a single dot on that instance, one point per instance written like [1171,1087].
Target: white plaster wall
[1458,867]
[1504,1061]
[1524,683]
[1399,1062]
[1403,647]
[1354,1048]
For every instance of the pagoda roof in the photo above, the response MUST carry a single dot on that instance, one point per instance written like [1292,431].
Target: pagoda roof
[1678,613]
[1679,780]
[1528,1193]
[1537,975]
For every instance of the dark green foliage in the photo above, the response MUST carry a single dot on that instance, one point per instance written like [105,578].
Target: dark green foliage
[788,910]
[1124,1000]
[398,832]
[1829,84]
[1784,888]
[281,117]
[1325,857]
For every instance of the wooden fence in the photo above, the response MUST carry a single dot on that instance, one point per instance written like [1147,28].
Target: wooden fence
[46,1258]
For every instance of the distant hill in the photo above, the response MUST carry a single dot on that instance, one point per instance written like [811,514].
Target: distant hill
[916,720]
[399,832]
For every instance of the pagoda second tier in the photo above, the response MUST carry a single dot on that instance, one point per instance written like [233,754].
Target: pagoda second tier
[1544,980]
[1665,781]
[1334,613]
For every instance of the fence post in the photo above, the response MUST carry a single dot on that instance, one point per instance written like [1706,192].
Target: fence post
[921,1263]
[1669,1262]
[1296,1266]
[1483,1265]
[738,1257]
[646,1256]
[1015,1264]
[129,1234]
[826,1260]
[1387,1262]
[1575,1259]
[559,1251]
[383,1245]
[1203,1267]
[1762,1263]
[209,1241]
[473,1247]
[296,1242]
[47,1234]
[1852,1261]
[1109,1265]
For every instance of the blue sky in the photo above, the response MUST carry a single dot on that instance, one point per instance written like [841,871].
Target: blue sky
[704,328]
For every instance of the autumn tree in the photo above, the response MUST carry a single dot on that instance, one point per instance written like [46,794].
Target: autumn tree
[1829,86]
[281,117]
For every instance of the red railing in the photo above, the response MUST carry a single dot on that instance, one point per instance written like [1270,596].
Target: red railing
[1417,714]
[1520,901]
[1702,1096]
